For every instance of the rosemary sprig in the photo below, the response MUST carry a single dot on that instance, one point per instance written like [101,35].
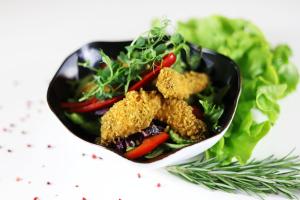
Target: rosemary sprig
[258,177]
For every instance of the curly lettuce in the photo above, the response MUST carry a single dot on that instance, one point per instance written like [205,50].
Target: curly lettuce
[267,76]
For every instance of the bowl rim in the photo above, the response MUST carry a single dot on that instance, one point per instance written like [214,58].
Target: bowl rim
[162,160]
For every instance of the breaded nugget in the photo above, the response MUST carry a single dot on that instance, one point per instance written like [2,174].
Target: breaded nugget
[197,82]
[180,86]
[172,84]
[179,115]
[130,115]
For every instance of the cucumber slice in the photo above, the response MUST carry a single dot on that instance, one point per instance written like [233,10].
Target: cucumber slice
[178,139]
[129,148]
[156,152]
[90,126]
[175,146]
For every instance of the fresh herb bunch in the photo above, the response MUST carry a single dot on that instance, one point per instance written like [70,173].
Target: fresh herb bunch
[141,55]
[257,177]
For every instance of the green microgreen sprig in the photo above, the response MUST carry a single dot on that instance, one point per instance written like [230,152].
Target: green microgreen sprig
[141,55]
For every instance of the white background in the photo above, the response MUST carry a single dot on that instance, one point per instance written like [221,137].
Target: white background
[36,36]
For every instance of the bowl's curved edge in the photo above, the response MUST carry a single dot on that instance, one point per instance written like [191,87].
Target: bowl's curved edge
[239,82]
[176,157]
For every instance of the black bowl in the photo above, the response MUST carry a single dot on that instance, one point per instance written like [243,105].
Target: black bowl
[223,73]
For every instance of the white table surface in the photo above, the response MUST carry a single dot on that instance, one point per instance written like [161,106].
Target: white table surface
[36,36]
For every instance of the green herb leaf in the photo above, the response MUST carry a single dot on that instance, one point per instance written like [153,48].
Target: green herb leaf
[176,39]
[140,42]
[105,59]
[141,55]
[161,48]
[257,177]
[212,112]
[209,100]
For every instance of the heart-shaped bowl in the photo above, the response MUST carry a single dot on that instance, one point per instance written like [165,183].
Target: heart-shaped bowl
[223,72]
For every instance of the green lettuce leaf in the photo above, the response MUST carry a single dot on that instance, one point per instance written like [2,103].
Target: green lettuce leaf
[267,76]
[286,70]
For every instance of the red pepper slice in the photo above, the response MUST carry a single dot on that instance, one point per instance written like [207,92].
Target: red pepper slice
[92,105]
[78,104]
[147,146]
[146,79]
[167,61]
[96,105]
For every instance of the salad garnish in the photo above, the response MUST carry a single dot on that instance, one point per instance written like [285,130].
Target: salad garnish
[148,101]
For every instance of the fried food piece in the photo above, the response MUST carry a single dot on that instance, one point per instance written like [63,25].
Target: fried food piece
[197,82]
[179,115]
[172,84]
[180,86]
[130,115]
